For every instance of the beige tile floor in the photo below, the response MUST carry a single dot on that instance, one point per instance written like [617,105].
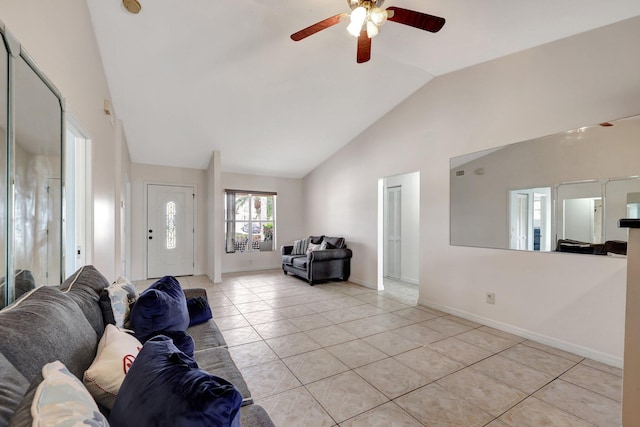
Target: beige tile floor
[339,354]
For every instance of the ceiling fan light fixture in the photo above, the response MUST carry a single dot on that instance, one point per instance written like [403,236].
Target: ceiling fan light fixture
[358,18]
[372,29]
[378,16]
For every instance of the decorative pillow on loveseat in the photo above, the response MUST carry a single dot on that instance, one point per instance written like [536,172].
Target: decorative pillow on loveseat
[116,352]
[300,247]
[313,247]
[160,307]
[336,242]
[116,300]
[164,387]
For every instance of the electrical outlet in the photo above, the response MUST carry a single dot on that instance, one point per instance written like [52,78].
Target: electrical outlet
[491,298]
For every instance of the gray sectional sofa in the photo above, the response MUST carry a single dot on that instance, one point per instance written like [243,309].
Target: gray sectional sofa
[331,263]
[65,323]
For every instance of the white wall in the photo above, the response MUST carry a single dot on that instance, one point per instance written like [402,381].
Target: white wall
[571,301]
[59,36]
[215,218]
[141,175]
[288,219]
[410,224]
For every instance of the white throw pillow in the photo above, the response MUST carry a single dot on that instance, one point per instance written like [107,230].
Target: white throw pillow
[116,352]
[62,401]
[313,247]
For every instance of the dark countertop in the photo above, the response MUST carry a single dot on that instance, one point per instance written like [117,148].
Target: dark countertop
[629,223]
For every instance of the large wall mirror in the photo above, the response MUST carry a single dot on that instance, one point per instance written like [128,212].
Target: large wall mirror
[37,162]
[562,192]
[31,220]
[4,137]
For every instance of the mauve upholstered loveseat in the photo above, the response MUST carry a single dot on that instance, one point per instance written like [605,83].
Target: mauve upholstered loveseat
[65,323]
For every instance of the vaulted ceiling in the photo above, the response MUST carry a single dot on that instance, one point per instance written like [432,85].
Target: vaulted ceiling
[193,76]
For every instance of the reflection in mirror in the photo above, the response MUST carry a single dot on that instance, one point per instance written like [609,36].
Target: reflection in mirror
[530,219]
[37,191]
[580,212]
[4,58]
[562,192]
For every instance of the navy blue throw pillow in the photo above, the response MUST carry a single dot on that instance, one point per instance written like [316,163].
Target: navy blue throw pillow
[199,310]
[164,387]
[180,339]
[160,307]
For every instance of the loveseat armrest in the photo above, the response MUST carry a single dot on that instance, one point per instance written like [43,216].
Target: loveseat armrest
[286,250]
[329,254]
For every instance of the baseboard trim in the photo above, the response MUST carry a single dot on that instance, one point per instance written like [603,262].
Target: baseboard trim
[598,356]
[253,268]
[363,283]
[408,280]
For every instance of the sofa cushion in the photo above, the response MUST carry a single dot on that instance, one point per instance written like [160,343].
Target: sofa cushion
[255,416]
[160,307]
[300,262]
[14,386]
[336,242]
[116,301]
[218,361]
[62,400]
[116,352]
[57,330]
[164,387]
[84,287]
[288,259]
[207,335]
[199,310]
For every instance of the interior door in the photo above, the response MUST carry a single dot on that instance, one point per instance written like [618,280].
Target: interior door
[519,220]
[170,230]
[393,233]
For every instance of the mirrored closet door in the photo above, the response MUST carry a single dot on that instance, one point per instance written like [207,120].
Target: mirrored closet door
[31,195]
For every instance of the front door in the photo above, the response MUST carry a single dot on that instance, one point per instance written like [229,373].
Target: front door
[170,230]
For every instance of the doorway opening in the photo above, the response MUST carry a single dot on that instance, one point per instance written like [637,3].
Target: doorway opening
[530,219]
[78,209]
[399,235]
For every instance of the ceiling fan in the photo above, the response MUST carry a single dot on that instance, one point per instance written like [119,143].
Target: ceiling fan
[132,5]
[367,16]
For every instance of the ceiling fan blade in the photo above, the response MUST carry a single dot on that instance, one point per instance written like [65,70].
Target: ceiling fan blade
[364,47]
[312,29]
[416,19]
